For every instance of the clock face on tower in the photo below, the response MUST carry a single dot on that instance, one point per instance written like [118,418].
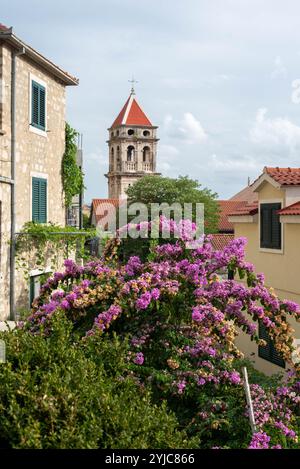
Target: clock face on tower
[132,148]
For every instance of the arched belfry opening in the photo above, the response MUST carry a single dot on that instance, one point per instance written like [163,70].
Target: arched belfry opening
[130,153]
[146,154]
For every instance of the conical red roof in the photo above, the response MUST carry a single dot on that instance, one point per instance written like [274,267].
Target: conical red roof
[131,114]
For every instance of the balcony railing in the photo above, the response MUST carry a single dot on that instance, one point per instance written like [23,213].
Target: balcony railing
[132,166]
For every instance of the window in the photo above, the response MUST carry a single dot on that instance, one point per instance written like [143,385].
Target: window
[34,288]
[38,105]
[146,154]
[130,153]
[35,282]
[130,132]
[146,133]
[39,200]
[268,352]
[270,226]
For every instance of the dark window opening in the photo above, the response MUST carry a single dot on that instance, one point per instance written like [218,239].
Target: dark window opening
[146,154]
[130,153]
[268,352]
[270,226]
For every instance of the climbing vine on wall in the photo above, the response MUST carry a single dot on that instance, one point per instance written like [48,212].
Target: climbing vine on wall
[72,176]
[41,246]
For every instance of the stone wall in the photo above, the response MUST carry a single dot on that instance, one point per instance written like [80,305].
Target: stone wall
[38,154]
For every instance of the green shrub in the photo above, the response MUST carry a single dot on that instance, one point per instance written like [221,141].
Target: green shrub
[53,394]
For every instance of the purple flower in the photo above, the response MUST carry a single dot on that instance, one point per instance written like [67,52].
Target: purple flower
[234,377]
[181,385]
[201,381]
[197,316]
[260,440]
[65,304]
[144,301]
[155,293]
[139,358]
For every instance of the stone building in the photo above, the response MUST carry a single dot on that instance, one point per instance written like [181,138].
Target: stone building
[132,148]
[32,142]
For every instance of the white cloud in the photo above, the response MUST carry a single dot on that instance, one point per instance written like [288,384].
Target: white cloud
[188,129]
[296,91]
[274,132]
[96,157]
[244,163]
[168,151]
[167,154]
[279,68]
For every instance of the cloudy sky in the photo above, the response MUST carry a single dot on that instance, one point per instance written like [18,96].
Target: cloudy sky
[221,79]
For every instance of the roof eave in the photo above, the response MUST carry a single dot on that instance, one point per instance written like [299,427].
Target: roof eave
[263,178]
[17,43]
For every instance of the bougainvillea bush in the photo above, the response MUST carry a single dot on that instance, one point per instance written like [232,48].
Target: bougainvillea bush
[179,316]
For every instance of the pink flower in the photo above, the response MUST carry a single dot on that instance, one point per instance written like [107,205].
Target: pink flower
[139,358]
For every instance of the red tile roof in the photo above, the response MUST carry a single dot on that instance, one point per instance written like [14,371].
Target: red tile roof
[226,207]
[104,208]
[104,211]
[247,194]
[245,209]
[3,27]
[220,241]
[293,209]
[284,176]
[131,114]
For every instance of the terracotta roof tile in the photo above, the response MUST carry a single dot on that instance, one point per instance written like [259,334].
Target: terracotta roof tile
[104,208]
[284,176]
[220,241]
[131,114]
[245,209]
[3,27]
[226,207]
[293,209]
[247,194]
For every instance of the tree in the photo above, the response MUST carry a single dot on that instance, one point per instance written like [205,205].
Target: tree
[157,189]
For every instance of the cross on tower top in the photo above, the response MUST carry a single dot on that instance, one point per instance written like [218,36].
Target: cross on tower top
[132,81]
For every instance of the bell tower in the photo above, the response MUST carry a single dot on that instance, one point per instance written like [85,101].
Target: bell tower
[132,148]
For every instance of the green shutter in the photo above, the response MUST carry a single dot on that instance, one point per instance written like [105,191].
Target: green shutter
[38,106]
[39,200]
[35,104]
[43,201]
[276,227]
[270,226]
[35,199]
[42,108]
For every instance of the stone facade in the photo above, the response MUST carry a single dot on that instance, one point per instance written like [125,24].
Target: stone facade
[38,154]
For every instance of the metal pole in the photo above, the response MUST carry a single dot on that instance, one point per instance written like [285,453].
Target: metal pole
[249,400]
